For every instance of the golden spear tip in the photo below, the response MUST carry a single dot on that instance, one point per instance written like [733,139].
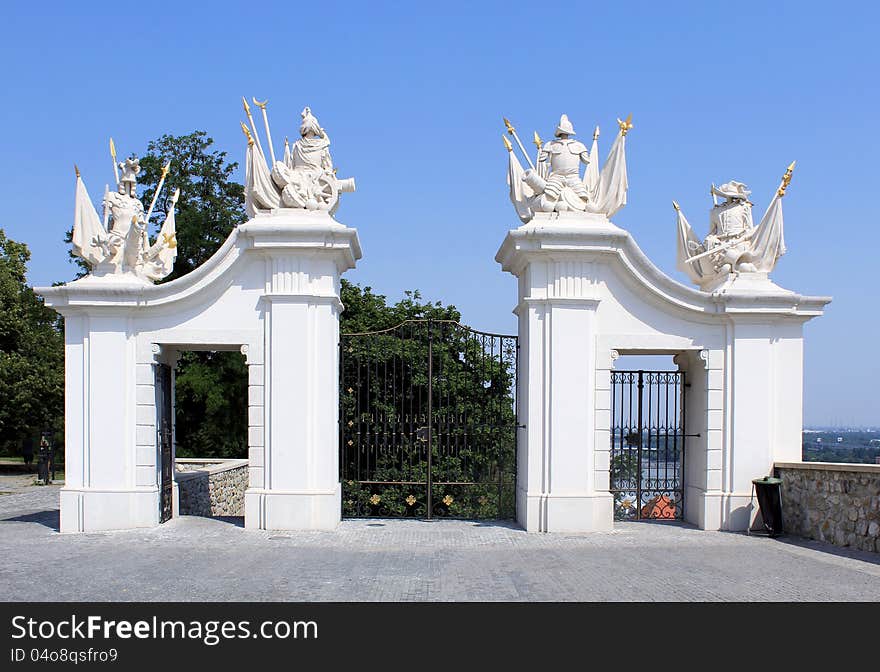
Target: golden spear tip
[675,205]
[112,149]
[507,143]
[509,126]
[247,108]
[76,170]
[247,133]
[786,180]
[165,168]
[537,140]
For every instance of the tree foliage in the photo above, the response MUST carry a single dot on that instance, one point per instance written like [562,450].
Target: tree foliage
[31,355]
[211,204]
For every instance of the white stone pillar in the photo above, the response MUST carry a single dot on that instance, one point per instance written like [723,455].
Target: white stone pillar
[764,388]
[559,463]
[305,255]
[103,487]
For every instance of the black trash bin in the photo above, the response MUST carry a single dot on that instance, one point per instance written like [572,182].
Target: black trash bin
[769,492]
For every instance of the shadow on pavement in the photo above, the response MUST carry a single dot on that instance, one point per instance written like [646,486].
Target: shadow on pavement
[831,549]
[50,519]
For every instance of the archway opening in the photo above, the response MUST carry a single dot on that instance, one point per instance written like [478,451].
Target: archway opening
[207,463]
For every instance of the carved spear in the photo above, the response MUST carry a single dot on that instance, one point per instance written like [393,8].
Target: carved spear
[158,189]
[512,131]
[247,111]
[786,180]
[113,156]
[262,106]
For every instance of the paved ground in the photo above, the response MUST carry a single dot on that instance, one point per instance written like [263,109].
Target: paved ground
[211,559]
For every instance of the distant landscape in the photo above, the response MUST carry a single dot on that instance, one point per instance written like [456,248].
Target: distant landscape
[827,444]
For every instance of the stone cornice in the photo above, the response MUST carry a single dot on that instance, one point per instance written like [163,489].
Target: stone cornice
[597,239]
[280,234]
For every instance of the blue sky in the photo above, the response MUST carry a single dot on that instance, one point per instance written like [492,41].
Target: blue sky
[412,96]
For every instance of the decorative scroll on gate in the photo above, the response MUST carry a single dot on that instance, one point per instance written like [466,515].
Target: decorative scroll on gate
[647,444]
[427,420]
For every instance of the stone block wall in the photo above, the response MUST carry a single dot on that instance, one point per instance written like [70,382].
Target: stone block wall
[211,487]
[837,503]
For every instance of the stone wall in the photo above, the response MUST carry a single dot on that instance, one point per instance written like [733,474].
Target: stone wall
[211,487]
[837,503]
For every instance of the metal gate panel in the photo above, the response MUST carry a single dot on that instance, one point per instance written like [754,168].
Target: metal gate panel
[647,444]
[428,422]
[164,440]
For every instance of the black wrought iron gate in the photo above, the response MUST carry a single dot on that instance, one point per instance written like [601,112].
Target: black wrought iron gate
[164,440]
[647,444]
[427,420]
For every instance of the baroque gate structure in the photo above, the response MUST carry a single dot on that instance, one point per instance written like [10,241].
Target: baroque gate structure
[588,294]
[433,419]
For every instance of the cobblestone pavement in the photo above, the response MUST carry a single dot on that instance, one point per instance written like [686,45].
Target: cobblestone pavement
[214,559]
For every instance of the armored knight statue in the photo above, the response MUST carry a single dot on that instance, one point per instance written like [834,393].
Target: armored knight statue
[553,184]
[734,245]
[304,179]
[563,188]
[120,246]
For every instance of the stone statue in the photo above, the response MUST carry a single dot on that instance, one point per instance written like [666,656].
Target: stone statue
[734,245]
[553,183]
[563,189]
[120,246]
[304,179]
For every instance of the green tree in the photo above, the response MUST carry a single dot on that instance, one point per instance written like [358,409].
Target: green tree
[31,355]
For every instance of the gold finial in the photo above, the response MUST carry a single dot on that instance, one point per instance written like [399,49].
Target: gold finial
[596,133]
[76,170]
[250,138]
[247,108]
[786,180]
[537,140]
[625,125]
[165,169]
[112,149]
[507,143]
[262,105]
[675,205]
[510,128]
